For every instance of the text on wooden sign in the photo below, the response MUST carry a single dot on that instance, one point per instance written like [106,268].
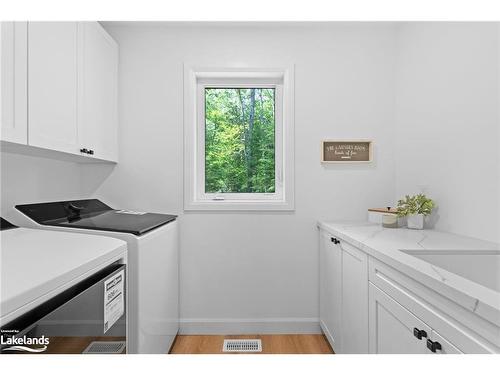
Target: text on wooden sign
[346,151]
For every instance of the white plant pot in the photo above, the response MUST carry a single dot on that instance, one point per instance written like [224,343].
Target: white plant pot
[416,221]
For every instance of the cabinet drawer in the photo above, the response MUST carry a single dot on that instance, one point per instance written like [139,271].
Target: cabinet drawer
[392,327]
[446,346]
[468,332]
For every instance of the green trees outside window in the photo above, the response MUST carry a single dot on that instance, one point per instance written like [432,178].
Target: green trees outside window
[239,140]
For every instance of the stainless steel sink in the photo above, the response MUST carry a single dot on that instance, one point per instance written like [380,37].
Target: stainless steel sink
[481,266]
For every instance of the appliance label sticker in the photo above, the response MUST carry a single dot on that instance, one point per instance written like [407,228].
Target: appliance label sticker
[114,301]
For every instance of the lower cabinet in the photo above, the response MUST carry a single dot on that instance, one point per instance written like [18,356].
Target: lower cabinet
[442,345]
[393,329]
[367,306]
[401,307]
[354,300]
[343,295]
[330,258]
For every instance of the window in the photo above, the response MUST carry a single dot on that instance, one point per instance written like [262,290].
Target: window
[238,139]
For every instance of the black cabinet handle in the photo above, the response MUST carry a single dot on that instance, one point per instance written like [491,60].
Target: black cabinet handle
[419,333]
[433,346]
[87,151]
[335,241]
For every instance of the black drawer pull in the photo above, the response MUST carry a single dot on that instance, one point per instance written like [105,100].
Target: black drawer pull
[433,346]
[419,333]
[87,151]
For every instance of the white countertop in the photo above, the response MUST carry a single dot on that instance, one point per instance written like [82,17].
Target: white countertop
[38,264]
[386,244]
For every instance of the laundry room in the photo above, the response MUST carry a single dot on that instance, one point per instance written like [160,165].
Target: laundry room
[217,186]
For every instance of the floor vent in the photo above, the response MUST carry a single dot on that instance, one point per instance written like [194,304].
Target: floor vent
[105,347]
[242,346]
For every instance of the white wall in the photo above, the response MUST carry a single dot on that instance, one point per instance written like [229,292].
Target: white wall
[259,268]
[28,179]
[447,136]
[423,92]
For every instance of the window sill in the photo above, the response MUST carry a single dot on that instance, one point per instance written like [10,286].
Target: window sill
[228,205]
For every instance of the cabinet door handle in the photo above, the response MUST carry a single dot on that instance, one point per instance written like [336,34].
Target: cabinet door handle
[87,151]
[433,346]
[419,333]
[335,241]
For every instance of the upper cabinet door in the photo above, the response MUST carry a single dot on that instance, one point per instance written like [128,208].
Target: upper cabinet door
[53,85]
[98,121]
[13,82]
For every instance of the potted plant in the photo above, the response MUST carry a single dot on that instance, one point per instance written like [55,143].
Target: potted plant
[415,208]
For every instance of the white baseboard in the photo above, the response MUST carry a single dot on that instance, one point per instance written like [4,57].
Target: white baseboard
[249,326]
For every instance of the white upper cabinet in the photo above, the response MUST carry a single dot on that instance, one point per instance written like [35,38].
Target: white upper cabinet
[98,121]
[13,82]
[53,85]
[60,90]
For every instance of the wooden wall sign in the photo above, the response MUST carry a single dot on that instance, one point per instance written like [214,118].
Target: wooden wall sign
[357,151]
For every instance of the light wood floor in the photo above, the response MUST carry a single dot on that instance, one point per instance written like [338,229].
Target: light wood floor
[271,344]
[208,344]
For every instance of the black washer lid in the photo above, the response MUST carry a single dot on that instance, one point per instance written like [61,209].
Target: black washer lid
[124,221]
[46,213]
[95,215]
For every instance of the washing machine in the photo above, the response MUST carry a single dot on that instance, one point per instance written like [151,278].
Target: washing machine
[153,261]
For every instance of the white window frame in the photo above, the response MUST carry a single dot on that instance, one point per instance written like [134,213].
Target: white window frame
[196,79]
